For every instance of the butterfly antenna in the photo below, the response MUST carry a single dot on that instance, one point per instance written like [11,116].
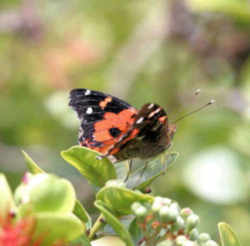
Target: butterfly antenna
[212,101]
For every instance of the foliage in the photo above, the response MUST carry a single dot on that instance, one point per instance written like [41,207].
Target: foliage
[47,207]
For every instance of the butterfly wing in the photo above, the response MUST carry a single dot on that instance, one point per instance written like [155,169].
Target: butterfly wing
[104,118]
[147,137]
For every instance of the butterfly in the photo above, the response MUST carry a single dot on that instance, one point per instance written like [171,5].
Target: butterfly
[118,130]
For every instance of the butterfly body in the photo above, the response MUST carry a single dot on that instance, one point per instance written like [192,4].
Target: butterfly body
[119,131]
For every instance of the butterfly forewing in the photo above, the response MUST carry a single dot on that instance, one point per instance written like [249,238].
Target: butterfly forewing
[104,118]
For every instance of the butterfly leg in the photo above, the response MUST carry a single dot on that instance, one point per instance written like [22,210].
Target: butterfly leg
[130,164]
[144,168]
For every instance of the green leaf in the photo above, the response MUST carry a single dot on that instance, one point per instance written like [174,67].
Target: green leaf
[6,197]
[227,236]
[82,214]
[115,223]
[97,172]
[55,227]
[143,176]
[120,199]
[135,231]
[81,241]
[31,165]
[46,193]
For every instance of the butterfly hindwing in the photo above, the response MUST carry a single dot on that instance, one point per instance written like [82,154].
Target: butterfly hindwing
[147,135]
[104,118]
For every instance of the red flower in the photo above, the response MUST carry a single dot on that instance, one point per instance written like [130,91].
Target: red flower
[20,233]
[17,233]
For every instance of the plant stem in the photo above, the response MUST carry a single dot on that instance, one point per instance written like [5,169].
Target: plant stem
[99,223]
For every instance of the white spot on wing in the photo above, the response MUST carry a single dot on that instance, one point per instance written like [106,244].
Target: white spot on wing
[154,112]
[150,106]
[87,92]
[140,120]
[89,110]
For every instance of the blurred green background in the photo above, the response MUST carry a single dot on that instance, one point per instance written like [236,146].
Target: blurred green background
[142,51]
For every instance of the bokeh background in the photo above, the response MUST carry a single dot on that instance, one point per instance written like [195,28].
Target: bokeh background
[142,51]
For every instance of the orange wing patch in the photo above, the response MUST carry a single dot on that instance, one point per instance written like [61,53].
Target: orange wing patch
[104,103]
[122,121]
[131,136]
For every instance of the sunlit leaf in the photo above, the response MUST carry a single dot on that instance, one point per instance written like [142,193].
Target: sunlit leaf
[97,172]
[31,165]
[6,197]
[120,199]
[227,236]
[115,223]
[82,214]
[46,193]
[81,241]
[58,226]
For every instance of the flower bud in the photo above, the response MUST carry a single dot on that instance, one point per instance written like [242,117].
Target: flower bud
[178,225]
[175,206]
[140,211]
[189,243]
[167,214]
[192,221]
[203,237]
[166,201]
[173,214]
[210,243]
[185,212]
[180,240]
[165,243]
[157,204]
[164,213]
[194,234]
[135,205]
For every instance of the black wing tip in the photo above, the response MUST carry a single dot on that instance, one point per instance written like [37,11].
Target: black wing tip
[75,95]
[77,92]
